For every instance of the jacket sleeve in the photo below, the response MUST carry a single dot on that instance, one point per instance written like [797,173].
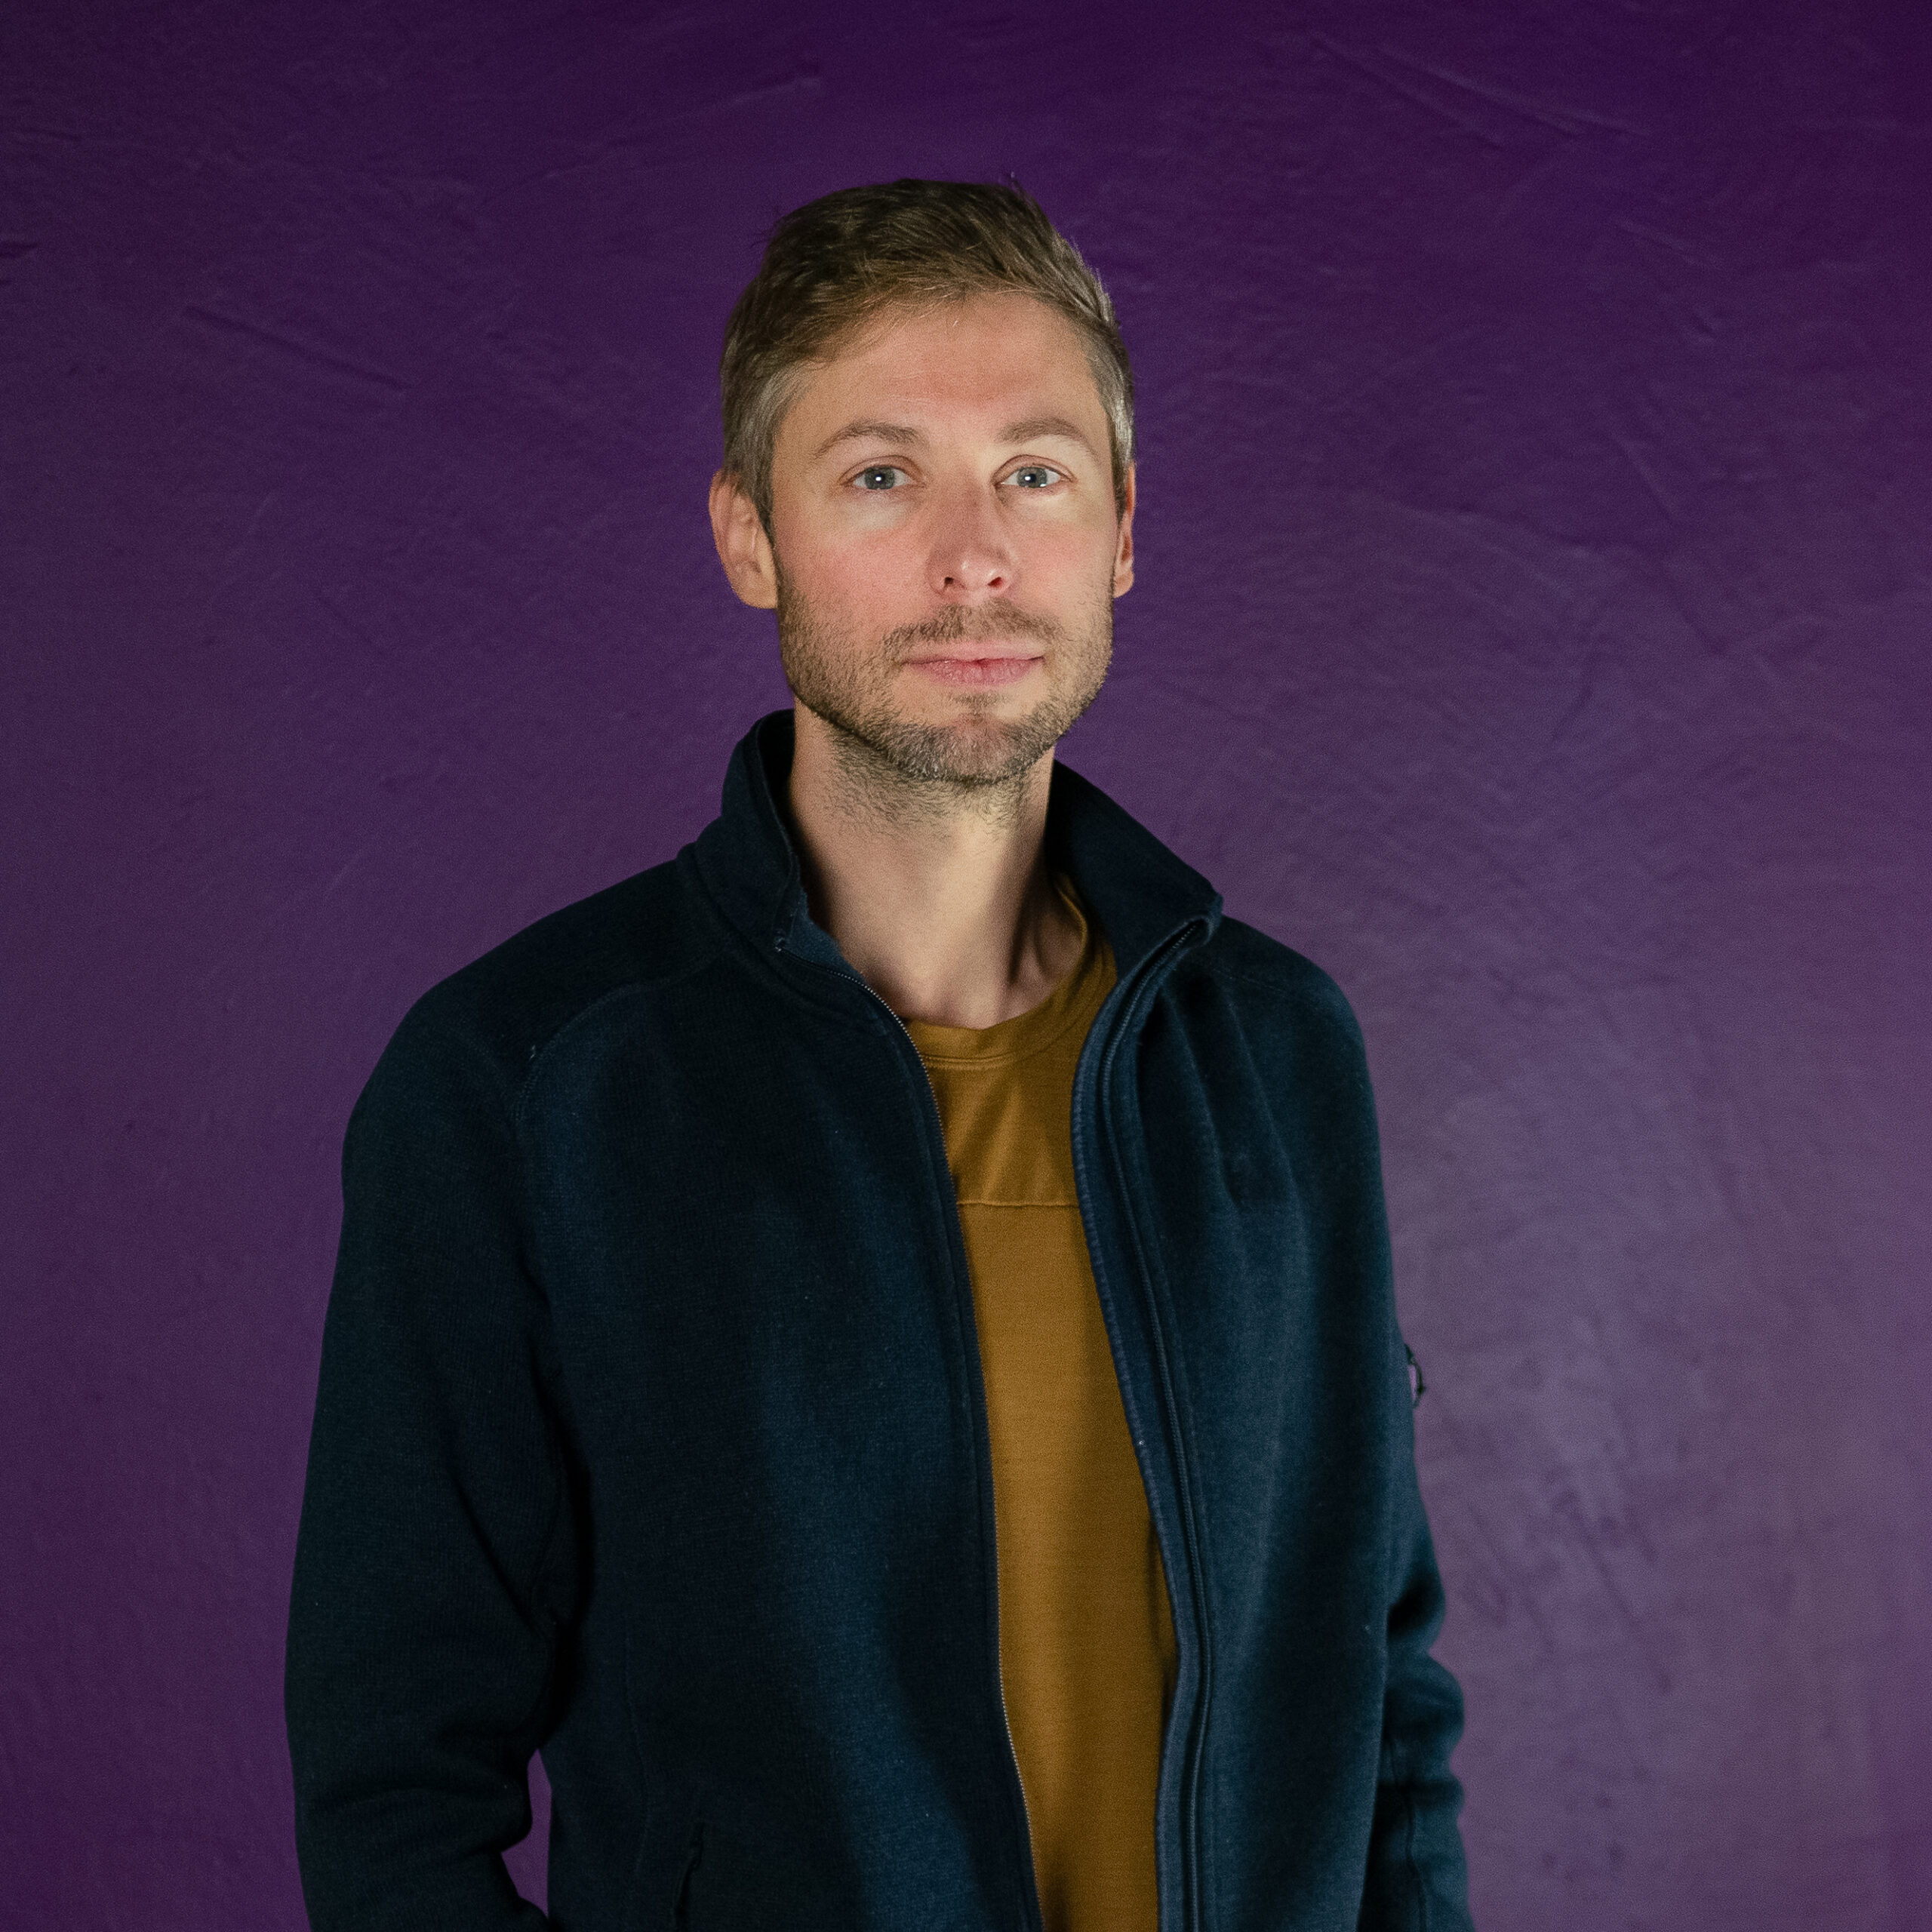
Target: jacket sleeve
[1416,1881]
[436,1561]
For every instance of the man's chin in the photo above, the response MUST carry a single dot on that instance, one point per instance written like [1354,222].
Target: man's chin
[971,752]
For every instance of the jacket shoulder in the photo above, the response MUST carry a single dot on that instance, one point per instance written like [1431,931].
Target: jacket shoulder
[1287,982]
[504,1006]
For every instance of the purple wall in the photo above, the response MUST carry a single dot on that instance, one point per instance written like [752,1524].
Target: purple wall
[1535,588]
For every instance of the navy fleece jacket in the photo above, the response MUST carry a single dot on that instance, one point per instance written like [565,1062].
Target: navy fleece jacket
[650,1432]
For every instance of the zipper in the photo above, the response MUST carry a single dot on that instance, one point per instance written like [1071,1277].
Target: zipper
[1035,1917]
[1145,980]
[999,1666]
[1012,1750]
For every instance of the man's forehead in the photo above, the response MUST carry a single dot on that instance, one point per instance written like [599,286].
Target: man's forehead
[1008,359]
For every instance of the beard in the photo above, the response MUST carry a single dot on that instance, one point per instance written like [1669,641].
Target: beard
[851,690]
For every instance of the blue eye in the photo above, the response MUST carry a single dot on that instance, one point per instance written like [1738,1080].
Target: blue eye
[879,476]
[1035,476]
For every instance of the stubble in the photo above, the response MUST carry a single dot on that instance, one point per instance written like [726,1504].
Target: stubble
[900,768]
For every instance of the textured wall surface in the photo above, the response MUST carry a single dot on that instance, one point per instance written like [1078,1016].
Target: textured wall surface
[1533,624]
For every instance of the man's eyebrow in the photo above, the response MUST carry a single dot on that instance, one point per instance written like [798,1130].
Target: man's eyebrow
[898,434]
[1030,427]
[901,435]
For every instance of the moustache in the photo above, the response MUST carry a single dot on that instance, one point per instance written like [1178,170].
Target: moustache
[958,624]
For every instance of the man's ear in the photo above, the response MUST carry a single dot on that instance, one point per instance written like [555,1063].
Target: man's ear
[743,548]
[1123,540]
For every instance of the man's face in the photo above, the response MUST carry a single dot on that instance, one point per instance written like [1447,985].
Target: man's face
[946,550]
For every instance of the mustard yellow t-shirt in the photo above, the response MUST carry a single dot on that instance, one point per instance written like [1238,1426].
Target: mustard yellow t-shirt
[1087,1641]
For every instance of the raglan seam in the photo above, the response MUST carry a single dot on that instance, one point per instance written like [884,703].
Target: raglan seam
[539,1051]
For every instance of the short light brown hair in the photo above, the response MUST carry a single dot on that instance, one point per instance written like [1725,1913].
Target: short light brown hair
[832,265]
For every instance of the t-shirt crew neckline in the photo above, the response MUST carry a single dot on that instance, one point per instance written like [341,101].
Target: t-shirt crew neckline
[1073,1002]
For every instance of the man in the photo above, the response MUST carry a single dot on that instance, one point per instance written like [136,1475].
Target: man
[871,1343]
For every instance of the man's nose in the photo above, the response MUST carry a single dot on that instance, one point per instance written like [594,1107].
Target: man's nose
[972,557]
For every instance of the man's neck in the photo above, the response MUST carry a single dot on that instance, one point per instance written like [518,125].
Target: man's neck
[938,895]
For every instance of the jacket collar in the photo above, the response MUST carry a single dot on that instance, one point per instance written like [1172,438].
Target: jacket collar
[1140,892]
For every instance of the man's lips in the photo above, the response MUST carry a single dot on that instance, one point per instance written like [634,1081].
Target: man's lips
[978,666]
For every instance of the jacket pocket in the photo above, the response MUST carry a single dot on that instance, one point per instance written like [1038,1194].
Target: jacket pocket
[657,1898]
[730,1879]
[681,1898]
